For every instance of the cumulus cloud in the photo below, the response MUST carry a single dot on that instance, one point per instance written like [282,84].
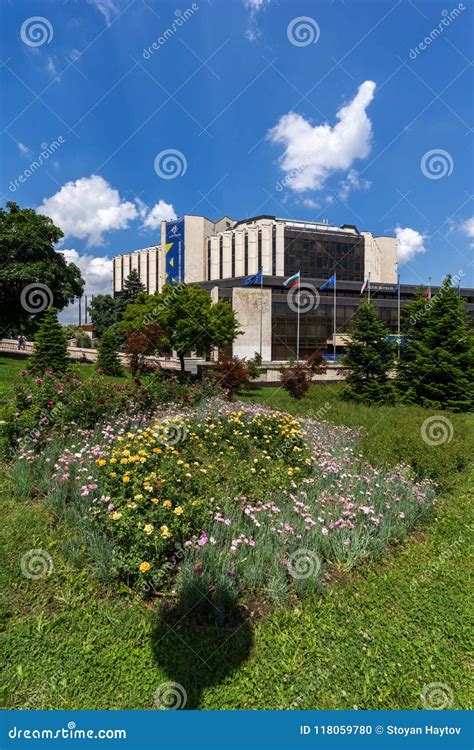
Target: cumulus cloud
[468,227]
[310,203]
[95,270]
[161,211]
[352,182]
[313,152]
[87,208]
[106,7]
[24,150]
[410,243]
[254,6]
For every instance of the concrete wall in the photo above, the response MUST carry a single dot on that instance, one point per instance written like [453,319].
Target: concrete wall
[380,259]
[247,304]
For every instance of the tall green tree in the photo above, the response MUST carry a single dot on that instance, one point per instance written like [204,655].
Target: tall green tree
[188,318]
[369,357]
[108,360]
[50,349]
[105,311]
[33,274]
[131,288]
[436,367]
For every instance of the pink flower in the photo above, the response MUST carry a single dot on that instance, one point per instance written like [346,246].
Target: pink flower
[38,381]
[324,531]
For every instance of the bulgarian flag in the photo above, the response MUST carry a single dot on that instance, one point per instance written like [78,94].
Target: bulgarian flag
[365,286]
[292,280]
[427,294]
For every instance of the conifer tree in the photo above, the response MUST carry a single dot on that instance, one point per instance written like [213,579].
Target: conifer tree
[108,360]
[50,350]
[132,286]
[368,359]
[436,368]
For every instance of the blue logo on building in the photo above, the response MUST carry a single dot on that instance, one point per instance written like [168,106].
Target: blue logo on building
[174,267]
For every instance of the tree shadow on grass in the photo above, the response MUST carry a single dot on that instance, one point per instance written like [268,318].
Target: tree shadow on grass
[198,645]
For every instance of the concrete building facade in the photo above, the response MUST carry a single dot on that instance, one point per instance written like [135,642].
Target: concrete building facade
[221,254]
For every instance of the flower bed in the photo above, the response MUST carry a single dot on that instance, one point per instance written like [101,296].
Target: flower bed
[225,500]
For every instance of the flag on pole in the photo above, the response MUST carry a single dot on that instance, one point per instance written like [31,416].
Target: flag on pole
[365,286]
[256,279]
[427,294]
[329,284]
[292,280]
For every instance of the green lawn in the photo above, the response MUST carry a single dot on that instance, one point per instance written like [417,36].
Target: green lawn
[372,640]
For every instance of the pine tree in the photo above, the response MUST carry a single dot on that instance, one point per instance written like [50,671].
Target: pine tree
[50,350]
[132,286]
[369,357]
[436,366]
[108,360]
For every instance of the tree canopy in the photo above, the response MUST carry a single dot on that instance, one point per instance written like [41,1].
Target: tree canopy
[33,275]
[188,318]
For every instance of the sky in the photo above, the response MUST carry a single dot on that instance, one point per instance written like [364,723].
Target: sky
[116,114]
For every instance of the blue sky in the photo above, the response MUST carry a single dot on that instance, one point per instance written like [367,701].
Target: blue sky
[307,109]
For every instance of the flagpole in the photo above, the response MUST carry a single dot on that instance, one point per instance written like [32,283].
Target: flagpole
[368,288]
[334,324]
[298,322]
[429,287]
[398,307]
[261,311]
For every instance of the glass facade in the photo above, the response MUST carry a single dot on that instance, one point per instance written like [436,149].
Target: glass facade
[318,255]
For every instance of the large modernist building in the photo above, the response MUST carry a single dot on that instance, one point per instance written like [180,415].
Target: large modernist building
[221,254]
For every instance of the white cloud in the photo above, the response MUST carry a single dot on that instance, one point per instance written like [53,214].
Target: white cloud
[313,153]
[106,7]
[24,150]
[87,208]
[51,67]
[95,270]
[161,211]
[310,203]
[410,243]
[468,227]
[352,181]
[254,6]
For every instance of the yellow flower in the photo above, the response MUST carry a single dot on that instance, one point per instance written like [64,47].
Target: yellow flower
[165,532]
[116,516]
[154,500]
[178,510]
[131,505]
[126,479]
[144,567]
[113,474]
[138,497]
[148,528]
[167,504]
[101,462]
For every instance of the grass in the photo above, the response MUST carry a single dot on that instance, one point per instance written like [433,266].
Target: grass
[373,640]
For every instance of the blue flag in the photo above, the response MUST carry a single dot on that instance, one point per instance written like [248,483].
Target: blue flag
[253,279]
[329,284]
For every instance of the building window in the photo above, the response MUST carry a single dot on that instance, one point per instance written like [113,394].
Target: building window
[233,256]
[259,251]
[221,257]
[209,260]
[246,254]
[274,252]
